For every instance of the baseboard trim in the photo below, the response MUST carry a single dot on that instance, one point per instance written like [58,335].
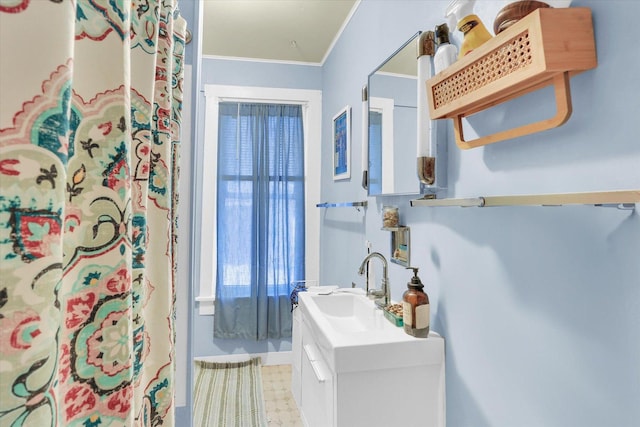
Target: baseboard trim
[271,358]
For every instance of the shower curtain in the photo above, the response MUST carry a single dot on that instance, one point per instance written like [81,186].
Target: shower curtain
[90,99]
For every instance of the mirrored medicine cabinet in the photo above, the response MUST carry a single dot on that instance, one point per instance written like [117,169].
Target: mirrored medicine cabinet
[392,123]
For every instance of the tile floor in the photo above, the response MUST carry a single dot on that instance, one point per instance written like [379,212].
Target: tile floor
[279,404]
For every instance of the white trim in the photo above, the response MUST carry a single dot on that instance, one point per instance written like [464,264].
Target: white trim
[207,253]
[365,138]
[268,359]
[268,61]
[206,299]
[311,100]
[340,31]
[206,308]
[386,107]
[396,75]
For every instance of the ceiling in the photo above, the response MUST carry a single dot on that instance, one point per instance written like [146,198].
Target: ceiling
[274,30]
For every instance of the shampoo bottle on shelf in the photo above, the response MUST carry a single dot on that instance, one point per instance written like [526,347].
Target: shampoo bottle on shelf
[446,53]
[475,33]
[415,308]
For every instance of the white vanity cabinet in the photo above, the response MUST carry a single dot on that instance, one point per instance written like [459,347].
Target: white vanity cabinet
[311,379]
[361,384]
[296,362]
[317,385]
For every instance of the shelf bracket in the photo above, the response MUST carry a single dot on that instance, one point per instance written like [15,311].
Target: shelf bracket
[563,112]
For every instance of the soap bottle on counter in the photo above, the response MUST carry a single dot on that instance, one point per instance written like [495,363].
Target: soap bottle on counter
[475,33]
[415,308]
[446,53]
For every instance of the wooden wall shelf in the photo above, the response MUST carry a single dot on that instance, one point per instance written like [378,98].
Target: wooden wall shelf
[544,48]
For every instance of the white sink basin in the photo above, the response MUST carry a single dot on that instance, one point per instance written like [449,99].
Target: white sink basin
[347,313]
[353,334]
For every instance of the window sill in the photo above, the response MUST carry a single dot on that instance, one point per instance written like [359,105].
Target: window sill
[206,305]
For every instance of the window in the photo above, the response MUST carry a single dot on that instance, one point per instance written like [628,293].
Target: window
[260,197]
[222,100]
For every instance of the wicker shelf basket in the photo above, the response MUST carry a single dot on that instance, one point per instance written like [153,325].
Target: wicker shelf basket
[544,48]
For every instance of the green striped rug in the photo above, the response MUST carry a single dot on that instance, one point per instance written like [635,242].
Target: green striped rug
[229,394]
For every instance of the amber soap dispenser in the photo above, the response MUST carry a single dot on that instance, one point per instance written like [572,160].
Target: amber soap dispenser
[415,308]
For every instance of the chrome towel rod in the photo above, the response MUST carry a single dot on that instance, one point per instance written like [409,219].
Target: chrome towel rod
[343,204]
[624,199]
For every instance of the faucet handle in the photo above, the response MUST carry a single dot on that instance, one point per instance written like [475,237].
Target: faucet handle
[376,292]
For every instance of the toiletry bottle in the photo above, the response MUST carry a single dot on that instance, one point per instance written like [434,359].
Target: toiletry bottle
[415,308]
[475,33]
[446,53]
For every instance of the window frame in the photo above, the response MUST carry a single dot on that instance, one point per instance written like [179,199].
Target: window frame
[385,106]
[311,102]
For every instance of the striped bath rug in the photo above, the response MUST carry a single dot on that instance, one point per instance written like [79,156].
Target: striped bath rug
[229,394]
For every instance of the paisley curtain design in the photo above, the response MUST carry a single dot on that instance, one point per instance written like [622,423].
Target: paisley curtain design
[90,111]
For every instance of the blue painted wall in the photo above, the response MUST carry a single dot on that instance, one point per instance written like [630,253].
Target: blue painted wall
[261,74]
[540,306]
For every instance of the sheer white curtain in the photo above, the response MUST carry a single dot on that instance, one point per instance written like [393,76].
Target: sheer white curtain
[89,123]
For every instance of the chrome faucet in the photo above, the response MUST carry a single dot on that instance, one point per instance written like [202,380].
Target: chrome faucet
[383,295]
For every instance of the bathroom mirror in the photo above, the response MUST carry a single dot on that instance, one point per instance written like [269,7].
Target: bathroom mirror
[392,123]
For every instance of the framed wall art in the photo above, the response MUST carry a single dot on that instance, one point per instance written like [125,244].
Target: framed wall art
[342,144]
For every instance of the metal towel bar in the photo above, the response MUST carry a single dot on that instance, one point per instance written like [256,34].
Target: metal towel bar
[625,199]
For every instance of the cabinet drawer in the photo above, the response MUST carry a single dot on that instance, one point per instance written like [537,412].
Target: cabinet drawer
[317,384]
[317,390]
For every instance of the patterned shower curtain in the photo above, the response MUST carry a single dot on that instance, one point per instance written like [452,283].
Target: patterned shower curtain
[90,100]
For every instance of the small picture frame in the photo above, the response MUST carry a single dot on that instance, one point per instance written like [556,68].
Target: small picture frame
[342,144]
